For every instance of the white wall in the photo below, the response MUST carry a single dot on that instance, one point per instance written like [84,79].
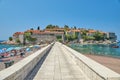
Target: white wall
[20,70]
[92,69]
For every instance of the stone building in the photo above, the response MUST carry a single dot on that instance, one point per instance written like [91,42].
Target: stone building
[111,36]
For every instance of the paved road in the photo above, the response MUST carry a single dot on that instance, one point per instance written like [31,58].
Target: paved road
[59,65]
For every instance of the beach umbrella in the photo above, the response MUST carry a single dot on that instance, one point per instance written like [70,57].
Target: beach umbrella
[2,51]
[9,49]
[28,49]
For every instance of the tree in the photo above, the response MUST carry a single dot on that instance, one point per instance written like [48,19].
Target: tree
[30,39]
[59,38]
[31,29]
[50,26]
[84,34]
[75,27]
[74,36]
[70,37]
[66,26]
[27,36]
[17,40]
[56,26]
[38,28]
[98,36]
[10,38]
[88,38]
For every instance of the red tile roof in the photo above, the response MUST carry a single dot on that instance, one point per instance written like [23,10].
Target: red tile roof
[75,30]
[92,31]
[44,32]
[55,29]
[18,33]
[34,31]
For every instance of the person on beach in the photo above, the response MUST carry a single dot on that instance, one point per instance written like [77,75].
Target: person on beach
[12,53]
[15,51]
[22,53]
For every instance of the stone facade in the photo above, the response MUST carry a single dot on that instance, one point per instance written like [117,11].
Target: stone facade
[111,36]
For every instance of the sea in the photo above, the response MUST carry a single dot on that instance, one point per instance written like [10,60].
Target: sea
[97,49]
[6,45]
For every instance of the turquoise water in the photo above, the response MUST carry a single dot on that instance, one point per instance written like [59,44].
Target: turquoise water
[6,46]
[98,49]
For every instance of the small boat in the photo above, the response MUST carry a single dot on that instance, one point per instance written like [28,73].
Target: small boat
[115,46]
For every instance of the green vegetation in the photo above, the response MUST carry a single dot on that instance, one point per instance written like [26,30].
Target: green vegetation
[27,36]
[17,40]
[31,29]
[98,36]
[86,38]
[50,26]
[10,38]
[71,37]
[31,39]
[66,27]
[59,38]
[71,34]
[38,28]
[84,35]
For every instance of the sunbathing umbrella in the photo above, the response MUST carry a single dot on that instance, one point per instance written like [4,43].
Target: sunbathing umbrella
[28,49]
[9,49]
[1,51]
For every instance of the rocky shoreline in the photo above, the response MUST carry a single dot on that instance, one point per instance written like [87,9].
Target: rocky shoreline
[8,42]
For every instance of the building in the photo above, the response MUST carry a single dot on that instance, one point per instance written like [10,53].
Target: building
[111,36]
[18,36]
[49,35]
[75,32]
[91,32]
[41,36]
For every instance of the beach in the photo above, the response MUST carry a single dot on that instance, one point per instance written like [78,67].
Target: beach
[18,57]
[14,58]
[110,62]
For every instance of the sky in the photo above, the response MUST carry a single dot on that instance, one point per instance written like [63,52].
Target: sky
[21,15]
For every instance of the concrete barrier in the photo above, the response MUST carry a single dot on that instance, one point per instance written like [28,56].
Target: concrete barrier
[21,69]
[91,68]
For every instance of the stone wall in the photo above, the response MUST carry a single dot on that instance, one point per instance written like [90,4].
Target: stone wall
[21,69]
[92,69]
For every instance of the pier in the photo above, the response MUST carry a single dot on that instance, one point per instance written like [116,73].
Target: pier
[58,62]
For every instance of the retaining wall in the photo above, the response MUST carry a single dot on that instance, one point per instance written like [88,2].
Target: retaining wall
[91,68]
[21,69]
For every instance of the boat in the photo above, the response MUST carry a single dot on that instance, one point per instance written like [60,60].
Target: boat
[115,46]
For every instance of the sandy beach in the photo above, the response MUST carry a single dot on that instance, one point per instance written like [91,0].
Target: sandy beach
[18,57]
[112,63]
